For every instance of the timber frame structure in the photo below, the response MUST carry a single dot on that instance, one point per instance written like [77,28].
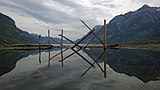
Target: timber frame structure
[63,48]
[79,47]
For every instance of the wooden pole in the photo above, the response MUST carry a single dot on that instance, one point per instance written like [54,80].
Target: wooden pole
[39,39]
[61,44]
[49,38]
[104,48]
[39,48]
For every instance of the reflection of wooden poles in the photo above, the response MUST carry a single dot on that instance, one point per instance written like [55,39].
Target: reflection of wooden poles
[58,54]
[75,51]
[91,55]
[39,48]
[39,55]
[95,61]
[49,38]
[49,54]
[93,64]
[104,48]
[61,44]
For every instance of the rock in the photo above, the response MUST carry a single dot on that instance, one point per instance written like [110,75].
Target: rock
[37,74]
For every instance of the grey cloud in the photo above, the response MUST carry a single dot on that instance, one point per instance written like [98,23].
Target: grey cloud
[70,22]
[105,3]
[42,13]
[66,14]
[148,2]
[69,3]
[37,10]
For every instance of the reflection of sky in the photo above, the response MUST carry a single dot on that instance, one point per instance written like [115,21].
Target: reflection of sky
[68,77]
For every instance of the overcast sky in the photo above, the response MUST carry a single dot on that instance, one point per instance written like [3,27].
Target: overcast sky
[37,16]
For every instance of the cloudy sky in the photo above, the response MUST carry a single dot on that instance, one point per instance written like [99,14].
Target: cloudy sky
[37,16]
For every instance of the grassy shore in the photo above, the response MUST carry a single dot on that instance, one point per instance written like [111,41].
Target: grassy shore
[154,46]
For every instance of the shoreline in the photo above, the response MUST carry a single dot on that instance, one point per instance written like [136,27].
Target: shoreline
[153,47]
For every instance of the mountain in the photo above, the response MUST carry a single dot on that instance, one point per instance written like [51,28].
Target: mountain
[142,25]
[10,33]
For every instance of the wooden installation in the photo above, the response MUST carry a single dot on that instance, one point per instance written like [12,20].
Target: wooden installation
[79,47]
[76,47]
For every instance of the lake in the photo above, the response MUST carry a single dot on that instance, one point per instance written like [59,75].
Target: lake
[127,69]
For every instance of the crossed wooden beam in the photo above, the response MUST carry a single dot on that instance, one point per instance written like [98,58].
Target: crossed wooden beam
[76,51]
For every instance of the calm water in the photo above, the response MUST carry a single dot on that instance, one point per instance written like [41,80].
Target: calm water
[127,69]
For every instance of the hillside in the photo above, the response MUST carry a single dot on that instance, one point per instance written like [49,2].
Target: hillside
[9,32]
[141,25]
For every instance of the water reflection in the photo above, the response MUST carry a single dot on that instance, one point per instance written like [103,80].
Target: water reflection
[8,60]
[49,56]
[143,64]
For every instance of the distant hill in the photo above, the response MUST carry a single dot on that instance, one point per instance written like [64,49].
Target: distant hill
[10,33]
[142,25]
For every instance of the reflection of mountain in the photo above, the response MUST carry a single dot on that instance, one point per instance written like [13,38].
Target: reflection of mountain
[145,65]
[8,60]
